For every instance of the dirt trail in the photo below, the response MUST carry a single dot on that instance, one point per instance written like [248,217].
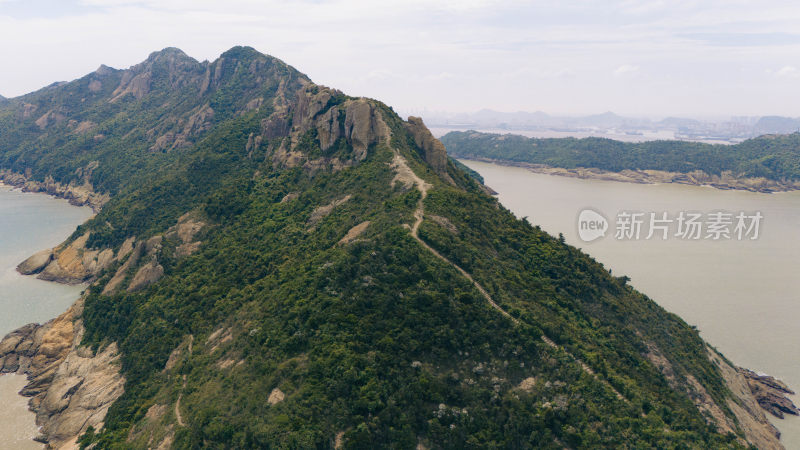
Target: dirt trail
[180,396]
[419,216]
[178,405]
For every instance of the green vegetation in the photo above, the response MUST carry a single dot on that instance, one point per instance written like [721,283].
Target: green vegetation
[377,341]
[467,170]
[771,157]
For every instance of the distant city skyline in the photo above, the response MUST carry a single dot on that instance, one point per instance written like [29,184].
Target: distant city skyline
[709,59]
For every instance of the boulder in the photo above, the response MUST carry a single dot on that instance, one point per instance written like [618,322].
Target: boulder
[35,263]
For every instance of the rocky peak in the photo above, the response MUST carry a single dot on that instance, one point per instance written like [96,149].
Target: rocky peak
[249,63]
[170,67]
[329,116]
[243,53]
[169,54]
[104,70]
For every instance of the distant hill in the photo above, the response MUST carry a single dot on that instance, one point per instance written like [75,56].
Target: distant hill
[772,157]
[731,129]
[776,125]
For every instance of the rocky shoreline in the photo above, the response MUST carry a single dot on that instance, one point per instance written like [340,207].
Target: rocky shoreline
[77,194]
[725,181]
[70,386]
[770,393]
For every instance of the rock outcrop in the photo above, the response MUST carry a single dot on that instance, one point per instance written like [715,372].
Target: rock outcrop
[36,263]
[146,275]
[186,232]
[433,150]
[326,116]
[752,421]
[770,393]
[119,276]
[78,194]
[71,388]
[745,406]
[74,263]
[143,255]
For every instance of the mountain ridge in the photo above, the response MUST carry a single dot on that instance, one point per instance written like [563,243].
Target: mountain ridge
[279,264]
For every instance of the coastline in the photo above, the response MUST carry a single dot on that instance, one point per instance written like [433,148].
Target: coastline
[34,364]
[76,194]
[725,181]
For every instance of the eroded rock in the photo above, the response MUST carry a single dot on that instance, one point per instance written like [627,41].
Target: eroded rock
[770,393]
[36,263]
[433,150]
[70,387]
[146,275]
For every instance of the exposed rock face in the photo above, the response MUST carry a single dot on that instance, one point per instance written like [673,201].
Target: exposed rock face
[770,393]
[186,232]
[276,396]
[119,276]
[73,264]
[50,118]
[35,263]
[77,194]
[137,80]
[444,222]
[330,117]
[146,275]
[702,400]
[199,122]
[750,418]
[70,387]
[321,212]
[434,152]
[756,427]
[144,255]
[354,232]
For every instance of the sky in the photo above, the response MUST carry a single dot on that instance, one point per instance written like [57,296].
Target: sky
[655,58]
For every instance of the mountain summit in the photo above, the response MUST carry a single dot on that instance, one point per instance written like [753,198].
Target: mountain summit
[276,264]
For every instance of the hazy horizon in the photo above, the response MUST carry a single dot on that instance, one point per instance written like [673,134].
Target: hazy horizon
[635,58]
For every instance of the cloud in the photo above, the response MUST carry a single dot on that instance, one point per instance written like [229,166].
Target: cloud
[626,70]
[788,72]
[508,54]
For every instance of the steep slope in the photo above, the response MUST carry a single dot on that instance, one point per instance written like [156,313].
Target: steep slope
[307,269]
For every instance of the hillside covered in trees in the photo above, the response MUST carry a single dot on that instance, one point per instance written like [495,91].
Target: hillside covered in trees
[275,264]
[772,157]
